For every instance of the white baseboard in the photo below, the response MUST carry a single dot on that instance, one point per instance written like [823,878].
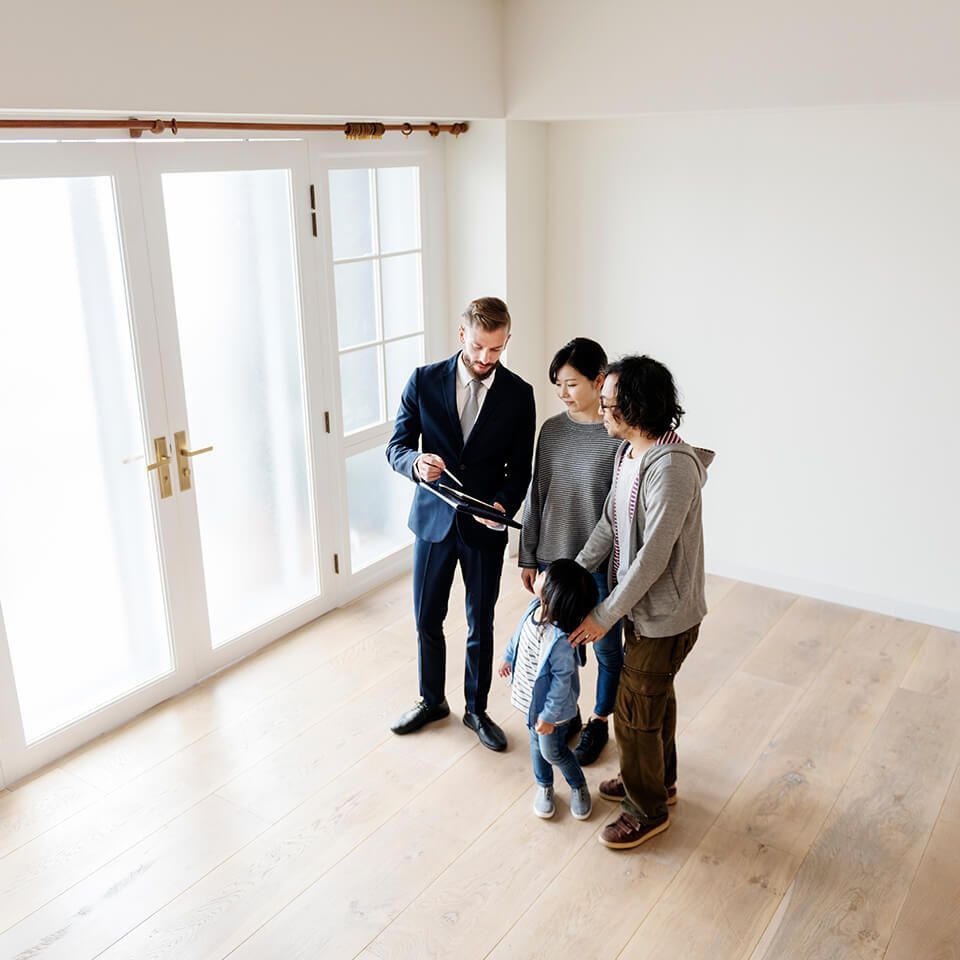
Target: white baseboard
[947,619]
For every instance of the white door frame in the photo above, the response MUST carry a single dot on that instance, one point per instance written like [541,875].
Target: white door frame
[133,164]
[328,153]
[30,161]
[186,156]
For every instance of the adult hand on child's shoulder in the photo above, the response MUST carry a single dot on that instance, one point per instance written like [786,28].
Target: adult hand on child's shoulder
[588,632]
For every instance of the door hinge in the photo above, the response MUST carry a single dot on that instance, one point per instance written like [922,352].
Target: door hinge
[336,563]
[326,420]
[313,208]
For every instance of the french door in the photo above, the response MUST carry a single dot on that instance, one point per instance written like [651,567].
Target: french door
[159,478]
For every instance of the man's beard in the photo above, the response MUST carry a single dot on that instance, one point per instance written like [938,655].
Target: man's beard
[471,367]
[615,429]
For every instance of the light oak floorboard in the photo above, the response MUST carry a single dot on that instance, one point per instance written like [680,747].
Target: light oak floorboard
[730,631]
[270,813]
[718,905]
[797,647]
[324,816]
[45,867]
[468,908]
[936,670]
[123,754]
[277,784]
[583,907]
[788,793]
[99,910]
[856,874]
[951,805]
[717,589]
[353,901]
[40,803]
[219,912]
[928,927]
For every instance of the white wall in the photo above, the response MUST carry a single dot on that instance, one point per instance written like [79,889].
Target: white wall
[405,58]
[798,271]
[572,59]
[496,223]
[526,222]
[476,218]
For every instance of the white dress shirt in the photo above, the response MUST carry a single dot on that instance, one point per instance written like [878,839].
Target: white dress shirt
[464,376]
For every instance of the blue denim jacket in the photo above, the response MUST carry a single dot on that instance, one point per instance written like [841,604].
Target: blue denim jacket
[557,687]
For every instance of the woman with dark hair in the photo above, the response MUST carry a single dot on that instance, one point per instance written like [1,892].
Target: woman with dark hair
[572,473]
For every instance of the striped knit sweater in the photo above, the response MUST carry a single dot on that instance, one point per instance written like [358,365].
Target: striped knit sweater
[572,472]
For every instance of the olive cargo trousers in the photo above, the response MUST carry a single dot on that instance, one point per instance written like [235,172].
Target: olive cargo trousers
[645,719]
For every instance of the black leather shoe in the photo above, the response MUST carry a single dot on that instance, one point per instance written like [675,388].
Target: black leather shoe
[592,741]
[419,715]
[491,736]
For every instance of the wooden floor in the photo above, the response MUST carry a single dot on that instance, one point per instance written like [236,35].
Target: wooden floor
[269,812]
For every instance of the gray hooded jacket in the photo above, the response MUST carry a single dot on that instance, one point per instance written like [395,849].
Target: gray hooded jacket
[663,590]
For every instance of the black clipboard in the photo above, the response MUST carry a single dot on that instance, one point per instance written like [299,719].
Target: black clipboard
[464,503]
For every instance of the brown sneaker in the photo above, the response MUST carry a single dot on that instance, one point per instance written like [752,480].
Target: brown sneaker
[626,832]
[613,789]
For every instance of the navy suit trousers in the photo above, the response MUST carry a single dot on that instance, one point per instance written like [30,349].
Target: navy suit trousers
[434,565]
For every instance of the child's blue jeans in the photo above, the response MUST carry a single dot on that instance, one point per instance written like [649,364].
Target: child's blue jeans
[549,750]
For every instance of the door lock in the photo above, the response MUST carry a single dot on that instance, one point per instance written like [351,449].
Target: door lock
[183,458]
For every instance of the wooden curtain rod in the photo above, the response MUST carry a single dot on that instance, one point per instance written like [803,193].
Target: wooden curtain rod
[363,130]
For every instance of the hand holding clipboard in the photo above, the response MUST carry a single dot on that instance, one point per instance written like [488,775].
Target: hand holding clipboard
[464,503]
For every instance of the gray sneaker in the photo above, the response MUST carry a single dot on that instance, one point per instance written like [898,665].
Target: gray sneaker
[543,805]
[581,805]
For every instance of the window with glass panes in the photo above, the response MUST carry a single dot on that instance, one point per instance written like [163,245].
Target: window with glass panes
[375,226]
[377,274]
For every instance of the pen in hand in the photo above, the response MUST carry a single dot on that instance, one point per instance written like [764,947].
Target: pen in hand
[435,465]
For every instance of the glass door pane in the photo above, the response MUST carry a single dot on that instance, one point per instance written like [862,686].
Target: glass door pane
[81,591]
[375,234]
[232,247]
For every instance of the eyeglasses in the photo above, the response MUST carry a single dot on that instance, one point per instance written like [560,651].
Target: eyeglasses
[608,406]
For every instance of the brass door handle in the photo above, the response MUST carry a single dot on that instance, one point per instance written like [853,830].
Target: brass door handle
[161,466]
[184,453]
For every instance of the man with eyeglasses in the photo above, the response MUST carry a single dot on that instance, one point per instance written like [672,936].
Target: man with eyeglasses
[475,422]
[651,530]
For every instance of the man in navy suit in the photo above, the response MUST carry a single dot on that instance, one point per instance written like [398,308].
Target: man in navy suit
[476,419]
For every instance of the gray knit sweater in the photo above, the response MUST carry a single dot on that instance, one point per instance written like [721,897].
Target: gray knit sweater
[572,472]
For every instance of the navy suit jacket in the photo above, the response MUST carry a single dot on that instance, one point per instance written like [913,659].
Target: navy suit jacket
[495,462]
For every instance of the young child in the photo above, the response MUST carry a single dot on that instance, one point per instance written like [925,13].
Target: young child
[546,681]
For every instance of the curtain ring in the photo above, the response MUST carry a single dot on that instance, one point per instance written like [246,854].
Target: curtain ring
[406,128]
[434,130]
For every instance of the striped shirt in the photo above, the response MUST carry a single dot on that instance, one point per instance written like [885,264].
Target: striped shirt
[626,486]
[572,472]
[526,662]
